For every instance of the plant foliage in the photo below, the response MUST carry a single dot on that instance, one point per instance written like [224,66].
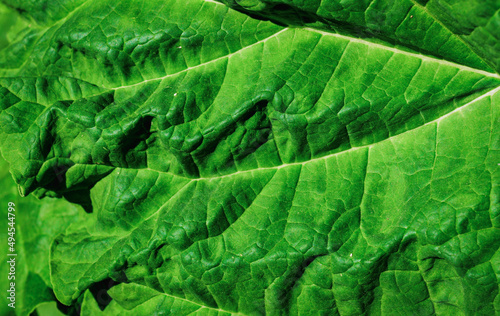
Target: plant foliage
[255,157]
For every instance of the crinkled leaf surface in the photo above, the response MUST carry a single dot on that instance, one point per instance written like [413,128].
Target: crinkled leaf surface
[36,224]
[263,157]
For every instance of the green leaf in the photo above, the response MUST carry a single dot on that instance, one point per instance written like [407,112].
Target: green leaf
[476,23]
[133,299]
[36,226]
[48,309]
[464,31]
[283,158]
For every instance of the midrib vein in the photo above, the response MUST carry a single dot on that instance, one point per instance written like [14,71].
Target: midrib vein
[437,120]
[351,39]
[460,38]
[203,64]
[183,299]
[324,33]
[399,51]
[198,304]
[421,56]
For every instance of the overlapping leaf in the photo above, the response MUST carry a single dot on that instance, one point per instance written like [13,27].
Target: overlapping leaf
[36,226]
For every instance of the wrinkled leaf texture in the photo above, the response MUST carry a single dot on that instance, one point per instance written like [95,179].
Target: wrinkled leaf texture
[252,157]
[36,224]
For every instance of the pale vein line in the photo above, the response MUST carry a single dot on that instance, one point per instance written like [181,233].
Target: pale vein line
[196,303]
[182,299]
[213,1]
[157,212]
[350,39]
[460,38]
[203,64]
[354,40]
[459,109]
[437,120]
[399,51]
[73,12]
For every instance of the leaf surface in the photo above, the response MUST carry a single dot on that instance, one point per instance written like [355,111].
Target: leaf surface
[36,226]
[335,157]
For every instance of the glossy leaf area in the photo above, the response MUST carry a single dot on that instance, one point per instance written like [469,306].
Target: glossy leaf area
[274,157]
